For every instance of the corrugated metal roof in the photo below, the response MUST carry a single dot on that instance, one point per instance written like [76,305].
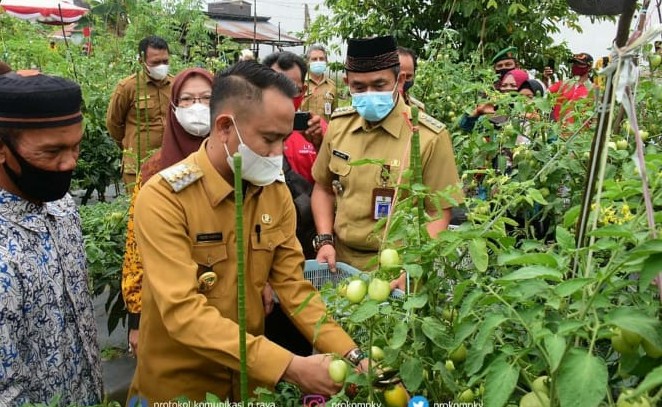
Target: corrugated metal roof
[242,31]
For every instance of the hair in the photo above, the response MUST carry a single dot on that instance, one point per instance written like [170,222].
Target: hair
[286,60]
[316,47]
[242,85]
[152,42]
[410,52]
[4,68]
[9,136]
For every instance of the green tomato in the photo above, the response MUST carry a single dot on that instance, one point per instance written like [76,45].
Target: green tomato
[377,353]
[622,144]
[338,371]
[534,400]
[450,366]
[459,355]
[654,60]
[641,401]
[544,191]
[379,290]
[448,314]
[466,396]
[540,385]
[651,350]
[620,345]
[356,290]
[389,258]
[612,145]
[644,134]
[632,338]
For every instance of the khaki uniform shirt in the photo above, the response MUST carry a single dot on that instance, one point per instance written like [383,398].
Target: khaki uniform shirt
[350,138]
[190,336]
[318,95]
[132,114]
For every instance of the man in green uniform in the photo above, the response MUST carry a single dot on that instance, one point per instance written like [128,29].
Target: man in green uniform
[503,62]
[320,90]
[348,200]
[137,110]
[186,234]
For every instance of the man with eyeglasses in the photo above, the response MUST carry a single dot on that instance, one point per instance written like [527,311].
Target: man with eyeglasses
[137,111]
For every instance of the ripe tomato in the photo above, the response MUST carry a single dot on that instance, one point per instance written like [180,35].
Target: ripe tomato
[338,370]
[356,290]
[379,290]
[396,396]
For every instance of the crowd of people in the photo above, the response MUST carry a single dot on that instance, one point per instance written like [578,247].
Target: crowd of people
[304,199]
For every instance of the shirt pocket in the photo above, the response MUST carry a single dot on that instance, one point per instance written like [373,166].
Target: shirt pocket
[264,246]
[210,258]
[145,104]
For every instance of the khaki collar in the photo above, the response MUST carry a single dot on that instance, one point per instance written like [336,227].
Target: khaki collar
[393,123]
[216,187]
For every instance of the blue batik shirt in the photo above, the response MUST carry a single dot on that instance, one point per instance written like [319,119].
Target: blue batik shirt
[48,335]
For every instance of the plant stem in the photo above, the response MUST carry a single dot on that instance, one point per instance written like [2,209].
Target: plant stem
[241,291]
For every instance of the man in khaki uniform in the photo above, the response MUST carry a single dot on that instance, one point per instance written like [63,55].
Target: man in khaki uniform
[320,95]
[137,110]
[408,62]
[186,234]
[374,128]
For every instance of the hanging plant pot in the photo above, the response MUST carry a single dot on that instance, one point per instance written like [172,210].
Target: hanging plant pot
[597,7]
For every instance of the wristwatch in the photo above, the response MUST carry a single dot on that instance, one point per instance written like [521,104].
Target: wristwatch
[323,239]
[355,356]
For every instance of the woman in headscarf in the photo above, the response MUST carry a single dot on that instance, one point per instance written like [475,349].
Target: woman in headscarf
[187,125]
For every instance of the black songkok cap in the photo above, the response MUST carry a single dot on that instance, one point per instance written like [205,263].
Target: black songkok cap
[30,100]
[371,54]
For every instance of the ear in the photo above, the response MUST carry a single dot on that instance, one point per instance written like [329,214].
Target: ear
[224,127]
[344,79]
[401,80]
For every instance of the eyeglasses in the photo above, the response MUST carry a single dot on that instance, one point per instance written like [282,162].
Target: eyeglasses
[189,100]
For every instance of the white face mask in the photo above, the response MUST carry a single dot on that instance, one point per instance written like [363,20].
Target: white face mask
[158,72]
[194,119]
[256,169]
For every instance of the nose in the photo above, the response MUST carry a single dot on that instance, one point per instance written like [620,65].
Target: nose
[68,160]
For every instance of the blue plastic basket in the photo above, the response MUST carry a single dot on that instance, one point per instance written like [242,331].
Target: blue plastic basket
[319,274]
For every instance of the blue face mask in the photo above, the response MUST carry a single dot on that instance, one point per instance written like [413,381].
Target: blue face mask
[318,67]
[373,106]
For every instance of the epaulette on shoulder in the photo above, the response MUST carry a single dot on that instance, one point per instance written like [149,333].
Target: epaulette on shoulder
[431,123]
[420,105]
[343,111]
[182,175]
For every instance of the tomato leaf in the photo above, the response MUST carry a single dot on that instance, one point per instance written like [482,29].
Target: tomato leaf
[555,346]
[529,272]
[399,336]
[582,380]
[519,259]
[652,381]
[564,238]
[365,311]
[652,268]
[636,321]
[417,301]
[411,372]
[569,287]
[478,253]
[500,382]
[434,330]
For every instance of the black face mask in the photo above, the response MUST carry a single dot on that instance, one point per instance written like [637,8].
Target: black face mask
[35,183]
[407,85]
[503,72]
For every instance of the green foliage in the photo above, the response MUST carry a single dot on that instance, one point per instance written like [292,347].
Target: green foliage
[104,229]
[486,26]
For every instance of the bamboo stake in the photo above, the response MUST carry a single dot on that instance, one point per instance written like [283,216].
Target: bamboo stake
[241,291]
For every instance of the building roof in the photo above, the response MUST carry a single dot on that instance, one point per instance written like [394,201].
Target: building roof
[242,30]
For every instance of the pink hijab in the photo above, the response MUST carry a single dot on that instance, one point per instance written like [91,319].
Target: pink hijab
[519,75]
